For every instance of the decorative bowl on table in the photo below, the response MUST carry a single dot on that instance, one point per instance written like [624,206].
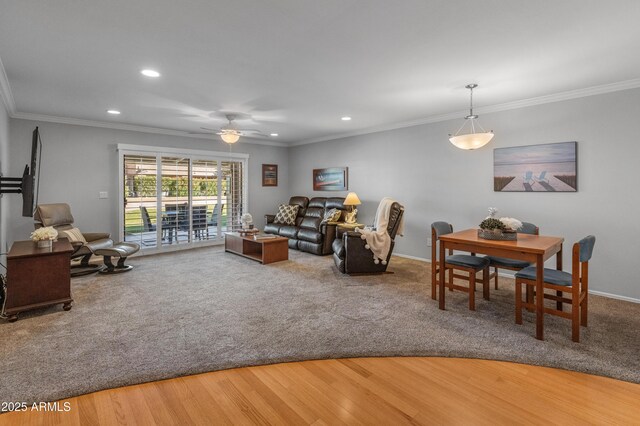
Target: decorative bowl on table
[503,229]
[497,234]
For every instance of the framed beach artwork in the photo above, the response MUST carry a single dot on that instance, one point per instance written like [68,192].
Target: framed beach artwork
[333,179]
[551,167]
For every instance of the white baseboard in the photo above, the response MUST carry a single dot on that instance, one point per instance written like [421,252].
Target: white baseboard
[421,259]
[177,247]
[510,275]
[614,296]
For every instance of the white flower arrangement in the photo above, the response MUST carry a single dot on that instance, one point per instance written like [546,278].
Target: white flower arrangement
[246,219]
[45,233]
[511,224]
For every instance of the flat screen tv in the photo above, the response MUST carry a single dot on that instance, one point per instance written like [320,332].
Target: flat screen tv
[31,177]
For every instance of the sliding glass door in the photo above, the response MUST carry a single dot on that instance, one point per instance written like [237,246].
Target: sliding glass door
[206,201]
[140,221]
[175,200]
[180,200]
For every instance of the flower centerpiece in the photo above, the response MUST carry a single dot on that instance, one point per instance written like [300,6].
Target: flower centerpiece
[44,236]
[505,228]
[247,221]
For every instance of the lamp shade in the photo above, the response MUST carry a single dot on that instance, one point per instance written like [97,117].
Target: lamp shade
[230,137]
[352,200]
[471,140]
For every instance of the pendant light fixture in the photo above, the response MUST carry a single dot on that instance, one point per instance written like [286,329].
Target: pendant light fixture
[471,140]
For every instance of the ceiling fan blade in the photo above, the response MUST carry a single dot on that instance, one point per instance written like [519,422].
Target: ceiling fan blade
[255,133]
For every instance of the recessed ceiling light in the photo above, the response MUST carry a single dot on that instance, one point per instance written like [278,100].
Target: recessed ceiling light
[150,73]
[113,111]
[274,134]
[346,118]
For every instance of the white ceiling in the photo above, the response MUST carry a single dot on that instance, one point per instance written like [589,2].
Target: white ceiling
[297,66]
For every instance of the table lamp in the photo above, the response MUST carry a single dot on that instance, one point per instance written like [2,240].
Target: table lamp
[351,200]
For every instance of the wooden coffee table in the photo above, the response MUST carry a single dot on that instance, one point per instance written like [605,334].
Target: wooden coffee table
[263,250]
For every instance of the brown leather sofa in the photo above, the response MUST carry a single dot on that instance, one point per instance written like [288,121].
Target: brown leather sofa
[309,233]
[350,254]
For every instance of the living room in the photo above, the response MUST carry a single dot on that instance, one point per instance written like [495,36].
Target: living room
[400,75]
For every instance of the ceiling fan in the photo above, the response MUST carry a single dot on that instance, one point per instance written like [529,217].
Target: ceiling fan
[230,132]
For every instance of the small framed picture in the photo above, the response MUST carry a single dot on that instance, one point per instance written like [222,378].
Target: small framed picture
[269,175]
[332,179]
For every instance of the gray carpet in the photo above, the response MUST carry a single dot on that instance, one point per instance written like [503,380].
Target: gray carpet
[205,310]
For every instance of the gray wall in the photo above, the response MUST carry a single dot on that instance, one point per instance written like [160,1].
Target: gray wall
[436,181]
[417,166]
[79,161]
[4,168]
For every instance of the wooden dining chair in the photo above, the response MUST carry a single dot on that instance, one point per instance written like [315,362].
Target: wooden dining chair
[511,264]
[462,262]
[575,283]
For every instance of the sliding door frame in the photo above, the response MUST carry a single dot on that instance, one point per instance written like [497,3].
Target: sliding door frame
[191,154]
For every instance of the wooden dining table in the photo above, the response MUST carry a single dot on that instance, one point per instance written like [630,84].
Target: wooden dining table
[530,248]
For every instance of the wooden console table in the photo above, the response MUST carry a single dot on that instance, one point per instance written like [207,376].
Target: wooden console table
[264,250]
[38,277]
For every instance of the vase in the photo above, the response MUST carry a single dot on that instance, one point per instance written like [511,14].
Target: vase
[44,244]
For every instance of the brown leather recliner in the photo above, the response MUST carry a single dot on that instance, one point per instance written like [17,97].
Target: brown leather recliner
[309,233]
[350,254]
[59,217]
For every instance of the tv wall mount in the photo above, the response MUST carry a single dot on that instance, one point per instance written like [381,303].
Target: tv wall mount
[10,185]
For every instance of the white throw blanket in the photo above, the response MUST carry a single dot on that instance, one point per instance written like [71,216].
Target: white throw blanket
[378,239]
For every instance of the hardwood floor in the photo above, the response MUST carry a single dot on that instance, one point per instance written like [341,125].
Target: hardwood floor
[359,391]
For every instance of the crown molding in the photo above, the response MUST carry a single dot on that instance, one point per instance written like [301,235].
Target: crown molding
[5,91]
[564,96]
[524,103]
[127,127]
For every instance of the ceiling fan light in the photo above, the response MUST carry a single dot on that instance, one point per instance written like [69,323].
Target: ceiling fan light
[471,140]
[230,137]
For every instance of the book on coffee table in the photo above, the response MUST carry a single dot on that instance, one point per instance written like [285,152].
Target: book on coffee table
[264,237]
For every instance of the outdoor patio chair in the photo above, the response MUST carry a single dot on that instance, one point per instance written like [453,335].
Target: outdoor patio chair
[213,221]
[199,214]
[174,218]
[147,225]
